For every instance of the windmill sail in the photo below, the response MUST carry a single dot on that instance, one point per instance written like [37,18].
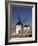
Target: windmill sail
[25,20]
[19,17]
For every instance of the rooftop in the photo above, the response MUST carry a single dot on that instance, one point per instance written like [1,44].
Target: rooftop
[26,26]
[19,23]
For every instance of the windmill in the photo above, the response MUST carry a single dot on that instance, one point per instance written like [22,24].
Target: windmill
[26,27]
[19,25]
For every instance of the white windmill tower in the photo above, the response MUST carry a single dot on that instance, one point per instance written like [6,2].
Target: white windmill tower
[19,26]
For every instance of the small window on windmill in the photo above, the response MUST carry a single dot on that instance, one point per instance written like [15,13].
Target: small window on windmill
[19,31]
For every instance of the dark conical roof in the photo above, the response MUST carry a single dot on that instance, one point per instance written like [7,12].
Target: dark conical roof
[26,26]
[19,23]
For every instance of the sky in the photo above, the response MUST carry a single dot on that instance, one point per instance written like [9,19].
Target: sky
[24,12]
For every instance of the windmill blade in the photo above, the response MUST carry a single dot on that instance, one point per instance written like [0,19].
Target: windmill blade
[26,19]
[19,17]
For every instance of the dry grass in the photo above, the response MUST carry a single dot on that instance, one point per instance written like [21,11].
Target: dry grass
[21,35]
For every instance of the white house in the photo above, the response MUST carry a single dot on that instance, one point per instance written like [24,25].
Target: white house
[19,28]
